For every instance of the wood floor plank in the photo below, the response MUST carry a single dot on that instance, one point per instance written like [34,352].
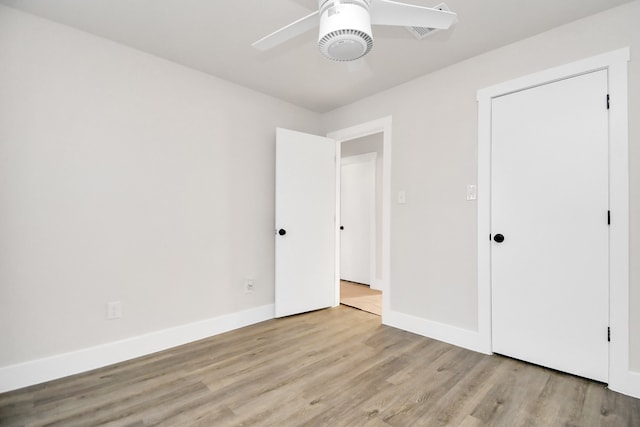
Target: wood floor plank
[361,297]
[461,399]
[334,367]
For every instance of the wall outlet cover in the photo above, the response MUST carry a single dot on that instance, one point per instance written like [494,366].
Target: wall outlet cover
[114,310]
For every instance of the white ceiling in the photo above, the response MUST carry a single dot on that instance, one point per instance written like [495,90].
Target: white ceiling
[214,36]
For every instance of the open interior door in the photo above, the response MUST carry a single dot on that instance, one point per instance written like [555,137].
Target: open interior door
[305,222]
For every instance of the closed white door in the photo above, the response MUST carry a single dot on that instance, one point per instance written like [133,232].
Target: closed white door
[357,217]
[305,222]
[549,209]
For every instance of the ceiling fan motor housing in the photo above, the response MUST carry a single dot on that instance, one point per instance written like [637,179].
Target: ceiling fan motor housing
[345,29]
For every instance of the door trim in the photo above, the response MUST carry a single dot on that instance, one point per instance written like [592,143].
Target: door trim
[621,379]
[382,125]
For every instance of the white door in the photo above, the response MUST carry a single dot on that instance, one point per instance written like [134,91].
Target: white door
[305,222]
[357,218]
[549,186]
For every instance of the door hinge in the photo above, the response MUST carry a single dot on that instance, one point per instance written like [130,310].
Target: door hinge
[608,103]
[608,217]
[608,334]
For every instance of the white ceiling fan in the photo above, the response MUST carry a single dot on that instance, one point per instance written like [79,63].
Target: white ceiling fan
[345,25]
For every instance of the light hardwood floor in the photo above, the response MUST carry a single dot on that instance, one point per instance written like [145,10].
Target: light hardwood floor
[335,367]
[361,297]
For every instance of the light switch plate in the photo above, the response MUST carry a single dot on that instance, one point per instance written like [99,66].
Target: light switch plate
[472,192]
[402,197]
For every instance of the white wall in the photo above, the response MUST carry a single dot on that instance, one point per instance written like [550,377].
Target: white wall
[125,177]
[433,245]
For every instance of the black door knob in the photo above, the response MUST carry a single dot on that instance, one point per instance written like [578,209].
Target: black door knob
[342,227]
[498,238]
[282,232]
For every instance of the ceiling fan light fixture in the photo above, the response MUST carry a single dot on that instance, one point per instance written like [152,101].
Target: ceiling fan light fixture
[345,25]
[345,45]
[345,30]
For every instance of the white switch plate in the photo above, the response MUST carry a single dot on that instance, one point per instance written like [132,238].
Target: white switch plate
[472,192]
[402,197]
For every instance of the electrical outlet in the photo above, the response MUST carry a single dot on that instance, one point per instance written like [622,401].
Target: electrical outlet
[248,286]
[114,310]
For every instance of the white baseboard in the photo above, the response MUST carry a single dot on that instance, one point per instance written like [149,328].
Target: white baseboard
[460,337]
[629,385]
[376,284]
[38,371]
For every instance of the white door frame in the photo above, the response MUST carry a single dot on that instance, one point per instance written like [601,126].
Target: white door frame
[383,126]
[371,159]
[621,379]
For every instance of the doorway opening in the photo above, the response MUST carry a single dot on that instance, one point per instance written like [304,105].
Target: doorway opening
[360,225]
[362,211]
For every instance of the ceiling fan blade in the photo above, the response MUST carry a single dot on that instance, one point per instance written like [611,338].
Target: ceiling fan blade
[387,12]
[292,30]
